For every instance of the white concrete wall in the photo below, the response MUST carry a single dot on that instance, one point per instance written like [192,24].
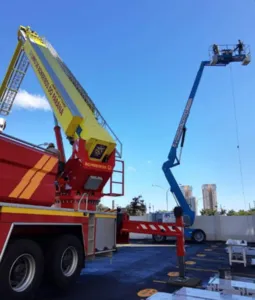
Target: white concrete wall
[217,228]
[209,225]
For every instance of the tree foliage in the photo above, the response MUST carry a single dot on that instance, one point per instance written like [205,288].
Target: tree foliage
[136,207]
[101,207]
[231,212]
[224,212]
[241,212]
[208,212]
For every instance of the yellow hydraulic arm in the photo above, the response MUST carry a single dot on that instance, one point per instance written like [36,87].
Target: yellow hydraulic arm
[71,105]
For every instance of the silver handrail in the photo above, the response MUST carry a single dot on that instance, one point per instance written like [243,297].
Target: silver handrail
[81,199]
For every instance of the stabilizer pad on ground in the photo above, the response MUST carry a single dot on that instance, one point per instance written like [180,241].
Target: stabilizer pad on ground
[184,282]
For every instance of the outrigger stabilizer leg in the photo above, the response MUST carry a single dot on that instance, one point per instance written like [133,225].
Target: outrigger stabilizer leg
[182,279]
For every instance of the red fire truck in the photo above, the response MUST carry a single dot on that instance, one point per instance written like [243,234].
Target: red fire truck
[48,217]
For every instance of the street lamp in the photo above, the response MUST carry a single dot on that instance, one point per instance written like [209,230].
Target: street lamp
[155,185]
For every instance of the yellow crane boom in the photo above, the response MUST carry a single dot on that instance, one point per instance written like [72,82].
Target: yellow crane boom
[71,105]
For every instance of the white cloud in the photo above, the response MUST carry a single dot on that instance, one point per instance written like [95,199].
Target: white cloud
[131,169]
[149,161]
[29,101]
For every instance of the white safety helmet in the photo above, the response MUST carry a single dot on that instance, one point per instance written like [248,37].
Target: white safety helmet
[2,124]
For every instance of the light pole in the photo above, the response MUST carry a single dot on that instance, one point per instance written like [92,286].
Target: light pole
[155,185]
[167,191]
[197,204]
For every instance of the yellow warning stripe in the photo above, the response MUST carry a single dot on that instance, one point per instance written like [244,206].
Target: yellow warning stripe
[105,216]
[32,179]
[29,174]
[32,211]
[37,179]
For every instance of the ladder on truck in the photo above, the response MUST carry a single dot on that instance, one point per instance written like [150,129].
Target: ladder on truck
[20,65]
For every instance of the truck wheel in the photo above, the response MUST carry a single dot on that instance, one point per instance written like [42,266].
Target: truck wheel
[198,236]
[64,261]
[21,270]
[158,238]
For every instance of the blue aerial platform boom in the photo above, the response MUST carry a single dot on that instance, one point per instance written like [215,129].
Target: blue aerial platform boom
[221,56]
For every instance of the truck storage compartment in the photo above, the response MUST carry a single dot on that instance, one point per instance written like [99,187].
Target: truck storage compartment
[27,173]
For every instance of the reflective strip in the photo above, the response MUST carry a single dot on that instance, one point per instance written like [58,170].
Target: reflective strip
[31,211]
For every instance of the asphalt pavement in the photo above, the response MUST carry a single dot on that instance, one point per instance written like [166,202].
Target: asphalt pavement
[135,271]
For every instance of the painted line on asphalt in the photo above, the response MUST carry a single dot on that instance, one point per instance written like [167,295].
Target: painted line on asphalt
[148,245]
[209,259]
[200,270]
[144,245]
[159,281]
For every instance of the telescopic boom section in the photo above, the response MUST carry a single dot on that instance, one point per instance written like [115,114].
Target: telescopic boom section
[224,55]
[181,128]
[73,108]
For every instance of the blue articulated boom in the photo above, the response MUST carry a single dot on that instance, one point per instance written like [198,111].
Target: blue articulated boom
[222,57]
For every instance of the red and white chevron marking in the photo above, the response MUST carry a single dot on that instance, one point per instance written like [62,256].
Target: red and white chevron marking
[170,229]
[156,227]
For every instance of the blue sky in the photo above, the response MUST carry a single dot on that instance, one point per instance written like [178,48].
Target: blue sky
[137,60]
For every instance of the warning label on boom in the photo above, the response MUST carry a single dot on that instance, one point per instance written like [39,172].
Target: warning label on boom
[50,87]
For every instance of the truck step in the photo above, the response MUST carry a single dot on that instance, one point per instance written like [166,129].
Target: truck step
[91,233]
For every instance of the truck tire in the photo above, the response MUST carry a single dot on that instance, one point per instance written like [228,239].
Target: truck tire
[199,236]
[64,261]
[158,238]
[21,270]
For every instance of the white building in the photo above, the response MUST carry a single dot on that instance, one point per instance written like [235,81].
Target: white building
[209,196]
[187,193]
[192,201]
